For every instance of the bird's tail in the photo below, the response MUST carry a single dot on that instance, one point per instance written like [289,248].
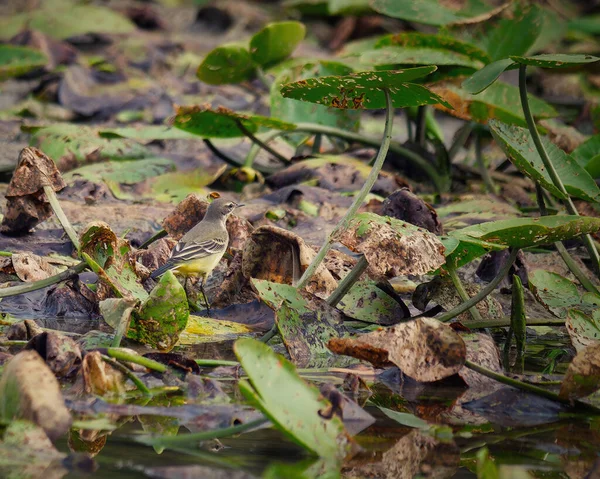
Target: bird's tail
[162,270]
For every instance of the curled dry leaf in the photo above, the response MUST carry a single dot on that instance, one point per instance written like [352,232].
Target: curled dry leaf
[31,267]
[26,204]
[99,378]
[583,376]
[22,380]
[424,349]
[280,256]
[393,247]
[61,353]
[191,211]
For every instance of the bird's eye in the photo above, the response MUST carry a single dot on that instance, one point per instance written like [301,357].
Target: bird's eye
[230,205]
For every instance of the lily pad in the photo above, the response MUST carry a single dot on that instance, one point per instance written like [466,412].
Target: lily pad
[364,90]
[16,61]
[163,316]
[527,232]
[518,144]
[222,122]
[295,407]
[227,64]
[275,42]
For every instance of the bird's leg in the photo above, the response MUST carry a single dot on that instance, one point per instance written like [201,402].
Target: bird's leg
[191,295]
[204,294]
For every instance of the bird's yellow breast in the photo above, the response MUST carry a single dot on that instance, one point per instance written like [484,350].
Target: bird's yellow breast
[201,266]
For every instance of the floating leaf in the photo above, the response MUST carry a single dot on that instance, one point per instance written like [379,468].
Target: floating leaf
[64,19]
[364,89]
[297,111]
[294,406]
[500,101]
[366,302]
[554,291]
[163,316]
[16,61]
[583,375]
[227,64]
[204,330]
[275,42]
[424,349]
[222,122]
[584,328]
[518,144]
[431,12]
[527,232]
[393,247]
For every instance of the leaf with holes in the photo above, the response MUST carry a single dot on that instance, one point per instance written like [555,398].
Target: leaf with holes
[364,90]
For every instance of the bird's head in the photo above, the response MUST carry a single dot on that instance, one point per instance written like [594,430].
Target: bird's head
[221,208]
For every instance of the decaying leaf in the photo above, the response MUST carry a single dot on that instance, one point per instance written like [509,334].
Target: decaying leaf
[393,247]
[482,350]
[406,206]
[26,204]
[23,378]
[424,349]
[100,378]
[31,267]
[280,256]
[584,327]
[583,375]
[163,316]
[190,212]
[61,353]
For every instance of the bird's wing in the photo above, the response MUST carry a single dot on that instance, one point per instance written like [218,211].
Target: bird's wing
[196,250]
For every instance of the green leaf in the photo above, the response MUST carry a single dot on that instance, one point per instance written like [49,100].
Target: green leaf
[222,122]
[122,172]
[163,316]
[145,133]
[556,293]
[174,187]
[587,24]
[463,250]
[298,111]
[593,167]
[587,151]
[405,419]
[583,327]
[555,60]
[200,330]
[396,56]
[349,7]
[366,302]
[515,35]
[431,12]
[227,64]
[500,101]
[483,78]
[527,232]
[16,61]
[518,145]
[275,42]
[364,89]
[64,19]
[295,407]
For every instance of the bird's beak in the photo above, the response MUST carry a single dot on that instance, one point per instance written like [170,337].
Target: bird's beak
[239,206]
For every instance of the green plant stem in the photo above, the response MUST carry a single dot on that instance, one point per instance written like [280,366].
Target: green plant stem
[187,439]
[501,378]
[235,162]
[122,327]
[409,126]
[316,147]
[96,268]
[460,289]
[43,283]
[421,122]
[461,308]
[265,338]
[6,254]
[60,214]
[128,373]
[505,322]
[261,143]
[263,78]
[13,342]
[158,235]
[460,140]
[562,251]
[215,362]
[358,200]
[485,174]
[587,239]
[348,281]
[122,355]
[439,182]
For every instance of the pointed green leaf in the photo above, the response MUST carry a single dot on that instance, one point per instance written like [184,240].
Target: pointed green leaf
[364,89]
[585,152]
[518,145]
[483,78]
[295,407]
[227,64]
[275,42]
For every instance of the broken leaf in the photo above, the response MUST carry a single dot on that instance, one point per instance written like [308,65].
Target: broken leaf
[424,349]
[30,267]
[294,406]
[25,375]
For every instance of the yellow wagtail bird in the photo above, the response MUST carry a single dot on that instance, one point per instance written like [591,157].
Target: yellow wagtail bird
[200,249]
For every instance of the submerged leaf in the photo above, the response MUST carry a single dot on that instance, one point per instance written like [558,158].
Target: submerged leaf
[294,406]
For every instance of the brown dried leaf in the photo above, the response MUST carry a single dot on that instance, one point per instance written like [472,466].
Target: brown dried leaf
[30,267]
[280,256]
[29,390]
[424,349]
[23,330]
[583,376]
[61,353]
[482,350]
[99,378]
[393,247]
